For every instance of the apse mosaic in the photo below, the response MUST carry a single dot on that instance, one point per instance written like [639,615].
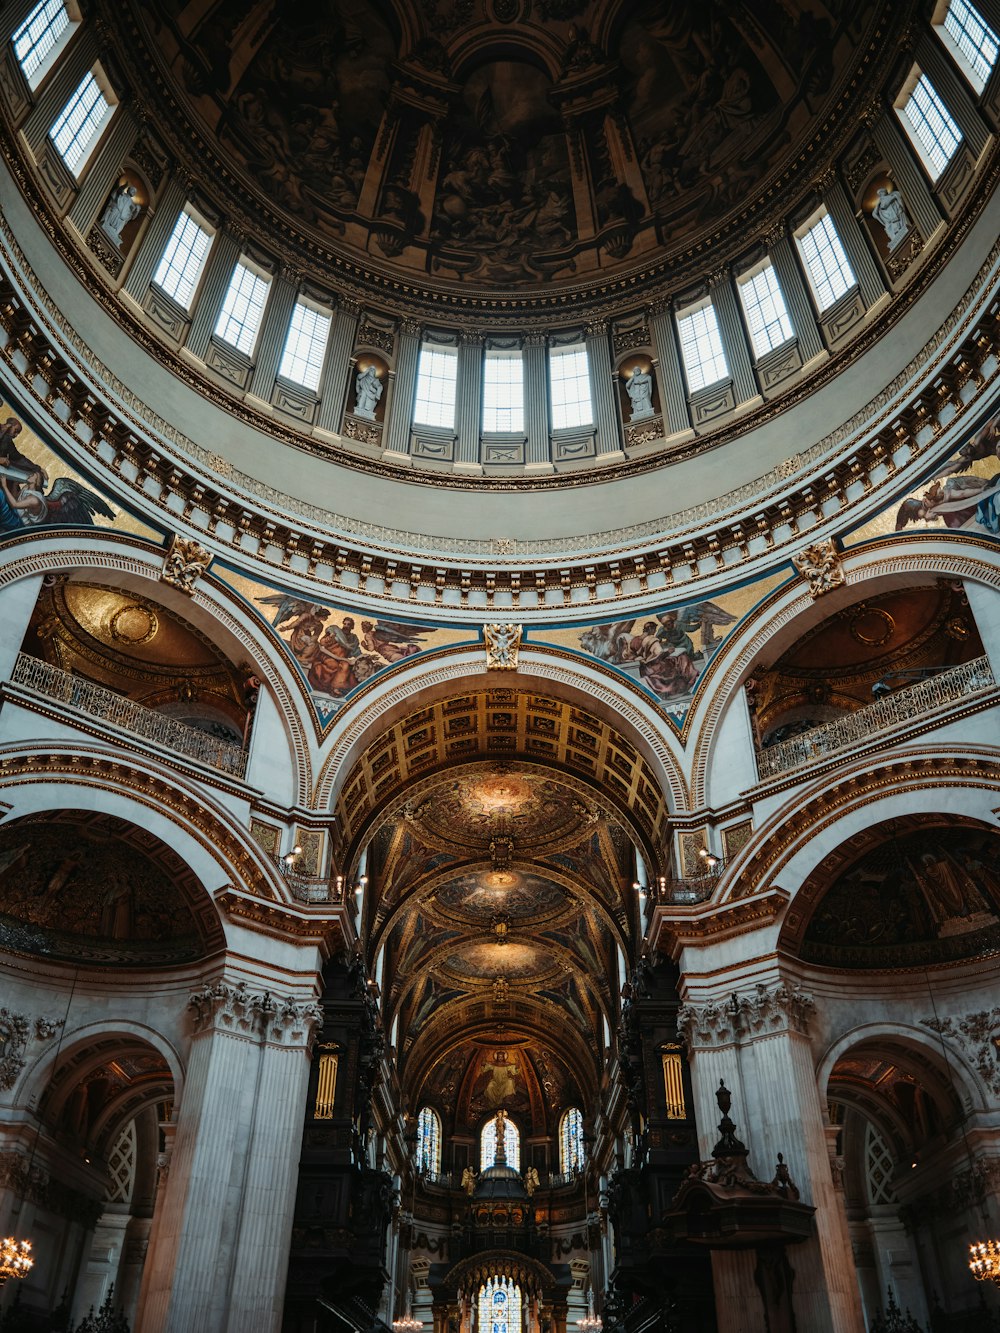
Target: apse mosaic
[38,489]
[924,896]
[338,649]
[961,495]
[665,652]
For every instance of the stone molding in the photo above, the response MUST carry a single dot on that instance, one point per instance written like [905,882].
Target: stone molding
[240,1012]
[16,1030]
[975,1036]
[748,1016]
[33,1183]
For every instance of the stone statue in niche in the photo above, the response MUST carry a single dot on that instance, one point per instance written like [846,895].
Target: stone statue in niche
[367,392]
[639,387]
[121,209]
[890,213]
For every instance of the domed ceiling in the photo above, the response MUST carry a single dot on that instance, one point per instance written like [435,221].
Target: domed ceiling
[504,143]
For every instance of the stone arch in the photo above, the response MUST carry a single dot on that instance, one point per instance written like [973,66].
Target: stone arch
[922,1040]
[617,703]
[790,611]
[212,605]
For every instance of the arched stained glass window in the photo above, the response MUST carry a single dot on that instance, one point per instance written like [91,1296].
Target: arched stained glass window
[511,1143]
[428,1140]
[499,1306]
[571,1140]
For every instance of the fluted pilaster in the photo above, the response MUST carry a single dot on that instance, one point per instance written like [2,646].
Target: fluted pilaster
[734,340]
[104,171]
[59,87]
[270,345]
[397,436]
[469,399]
[338,360]
[602,390]
[854,241]
[153,243]
[669,379]
[218,275]
[907,176]
[797,300]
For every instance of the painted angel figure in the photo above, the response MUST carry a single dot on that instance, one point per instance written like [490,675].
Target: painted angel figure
[26,503]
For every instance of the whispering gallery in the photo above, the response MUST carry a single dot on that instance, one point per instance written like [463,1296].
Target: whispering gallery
[499,527]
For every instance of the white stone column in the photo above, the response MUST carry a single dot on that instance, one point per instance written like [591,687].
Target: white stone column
[220,1249]
[984,603]
[757,1043]
[16,605]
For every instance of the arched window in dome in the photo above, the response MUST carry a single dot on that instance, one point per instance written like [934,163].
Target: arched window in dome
[511,1143]
[499,1306]
[569,387]
[929,124]
[428,1140]
[571,1141]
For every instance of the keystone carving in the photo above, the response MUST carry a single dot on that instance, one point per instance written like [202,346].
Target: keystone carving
[745,1017]
[821,567]
[502,644]
[184,564]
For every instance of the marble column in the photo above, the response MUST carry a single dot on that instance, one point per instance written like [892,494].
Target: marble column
[469,402]
[855,243]
[734,341]
[218,275]
[222,1241]
[274,331]
[757,1042]
[800,308]
[536,404]
[154,242]
[907,176]
[17,603]
[669,378]
[602,392]
[404,385]
[104,171]
[338,360]
[984,603]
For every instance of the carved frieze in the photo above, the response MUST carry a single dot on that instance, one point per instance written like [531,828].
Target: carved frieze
[761,1012]
[976,1035]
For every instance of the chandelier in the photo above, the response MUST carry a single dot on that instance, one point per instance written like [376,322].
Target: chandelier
[984,1261]
[406,1323]
[590,1323]
[15,1258]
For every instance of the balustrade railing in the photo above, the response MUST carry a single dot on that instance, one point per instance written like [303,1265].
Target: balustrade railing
[128,716]
[901,706]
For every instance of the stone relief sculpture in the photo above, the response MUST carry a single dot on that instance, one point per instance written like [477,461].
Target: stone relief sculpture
[820,566]
[890,213]
[121,209]
[639,386]
[367,392]
[502,643]
[184,564]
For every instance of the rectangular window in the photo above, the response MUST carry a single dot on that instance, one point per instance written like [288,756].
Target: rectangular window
[79,126]
[437,380]
[39,38]
[183,260]
[569,387]
[932,131]
[827,266]
[305,346]
[971,40]
[701,347]
[768,322]
[243,309]
[503,393]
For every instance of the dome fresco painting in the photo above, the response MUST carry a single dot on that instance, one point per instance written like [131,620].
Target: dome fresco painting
[498,696]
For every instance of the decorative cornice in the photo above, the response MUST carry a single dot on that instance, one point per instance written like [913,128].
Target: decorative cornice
[218,1007]
[746,1017]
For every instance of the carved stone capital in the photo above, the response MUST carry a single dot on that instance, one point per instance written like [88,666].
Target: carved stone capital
[502,644]
[744,1017]
[184,564]
[16,1030]
[240,1012]
[821,566]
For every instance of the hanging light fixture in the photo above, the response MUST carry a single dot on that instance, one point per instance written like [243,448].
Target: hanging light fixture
[590,1323]
[15,1258]
[984,1261]
[406,1323]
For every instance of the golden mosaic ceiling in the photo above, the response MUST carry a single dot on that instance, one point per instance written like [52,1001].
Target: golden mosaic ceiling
[500,144]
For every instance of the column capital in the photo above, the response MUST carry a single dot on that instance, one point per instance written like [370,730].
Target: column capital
[242,1013]
[762,1012]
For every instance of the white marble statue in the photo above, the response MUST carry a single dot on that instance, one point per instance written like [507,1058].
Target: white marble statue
[120,211]
[890,213]
[639,387]
[367,392]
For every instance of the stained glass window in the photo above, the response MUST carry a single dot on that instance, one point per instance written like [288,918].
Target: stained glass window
[571,1140]
[511,1143]
[428,1140]
[499,1306]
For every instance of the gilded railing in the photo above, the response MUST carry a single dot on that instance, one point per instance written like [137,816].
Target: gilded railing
[901,706]
[96,701]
